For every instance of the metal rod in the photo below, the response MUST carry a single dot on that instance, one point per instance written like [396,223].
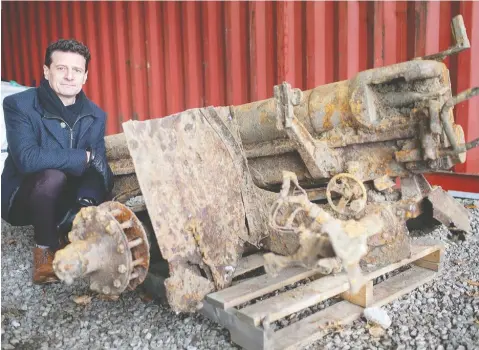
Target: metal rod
[465,95]
[116,212]
[460,38]
[461,148]
[135,243]
[472,144]
[138,262]
[127,224]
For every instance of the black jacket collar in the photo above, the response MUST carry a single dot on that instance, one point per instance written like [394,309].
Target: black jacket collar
[86,110]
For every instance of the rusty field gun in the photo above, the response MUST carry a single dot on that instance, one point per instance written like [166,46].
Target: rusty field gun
[308,177]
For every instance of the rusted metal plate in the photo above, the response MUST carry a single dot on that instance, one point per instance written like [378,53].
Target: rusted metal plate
[449,211]
[190,185]
[256,201]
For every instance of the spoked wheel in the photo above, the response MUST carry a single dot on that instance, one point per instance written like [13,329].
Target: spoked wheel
[109,245]
[351,194]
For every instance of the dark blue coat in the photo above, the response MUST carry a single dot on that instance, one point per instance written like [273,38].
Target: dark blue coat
[38,140]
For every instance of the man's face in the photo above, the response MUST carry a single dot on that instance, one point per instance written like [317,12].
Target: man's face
[66,73]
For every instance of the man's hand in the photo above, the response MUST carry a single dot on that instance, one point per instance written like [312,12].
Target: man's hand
[100,164]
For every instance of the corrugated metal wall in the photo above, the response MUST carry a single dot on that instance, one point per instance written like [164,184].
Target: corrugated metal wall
[152,59]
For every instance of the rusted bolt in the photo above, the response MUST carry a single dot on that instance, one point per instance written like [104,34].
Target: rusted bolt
[106,290]
[296,97]
[110,227]
[117,283]
[122,268]
[121,248]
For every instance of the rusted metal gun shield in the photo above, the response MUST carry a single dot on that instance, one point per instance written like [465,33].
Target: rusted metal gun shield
[191,189]
[136,230]
[92,222]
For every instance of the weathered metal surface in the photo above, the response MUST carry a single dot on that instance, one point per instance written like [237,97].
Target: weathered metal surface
[459,34]
[383,183]
[396,250]
[256,201]
[335,128]
[407,97]
[192,189]
[118,155]
[449,211]
[109,246]
[208,175]
[138,244]
[125,184]
[415,187]
[323,235]
[393,243]
[185,289]
[378,238]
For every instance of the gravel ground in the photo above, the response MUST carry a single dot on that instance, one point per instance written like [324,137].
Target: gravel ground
[444,314]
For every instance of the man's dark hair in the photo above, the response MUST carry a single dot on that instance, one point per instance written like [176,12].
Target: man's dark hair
[67,45]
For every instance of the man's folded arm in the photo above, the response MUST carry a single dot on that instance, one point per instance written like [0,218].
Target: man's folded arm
[28,156]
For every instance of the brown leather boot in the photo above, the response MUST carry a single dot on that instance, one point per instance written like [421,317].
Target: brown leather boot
[42,266]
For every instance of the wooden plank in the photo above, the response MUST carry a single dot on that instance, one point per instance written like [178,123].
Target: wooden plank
[242,324]
[249,263]
[312,328]
[243,334]
[294,300]
[234,283]
[401,284]
[435,257]
[257,287]
[417,252]
[427,264]
[363,298]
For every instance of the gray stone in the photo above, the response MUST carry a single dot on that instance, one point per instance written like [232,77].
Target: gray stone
[377,315]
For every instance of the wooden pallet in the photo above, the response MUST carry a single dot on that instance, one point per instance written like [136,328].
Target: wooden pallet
[249,328]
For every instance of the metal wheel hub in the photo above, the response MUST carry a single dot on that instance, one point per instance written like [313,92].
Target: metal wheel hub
[109,245]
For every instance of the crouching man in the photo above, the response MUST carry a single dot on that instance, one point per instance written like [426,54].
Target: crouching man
[56,160]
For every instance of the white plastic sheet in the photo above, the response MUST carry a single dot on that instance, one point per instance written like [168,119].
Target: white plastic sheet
[7,90]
